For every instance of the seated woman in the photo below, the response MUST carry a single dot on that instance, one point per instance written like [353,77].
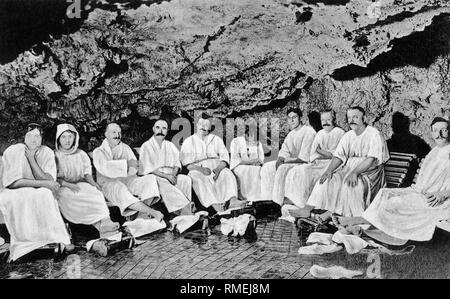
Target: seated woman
[413,213]
[28,201]
[80,199]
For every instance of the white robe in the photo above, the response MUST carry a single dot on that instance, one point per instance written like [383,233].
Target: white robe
[296,145]
[87,206]
[404,212]
[153,157]
[213,150]
[334,195]
[120,185]
[248,176]
[301,179]
[31,215]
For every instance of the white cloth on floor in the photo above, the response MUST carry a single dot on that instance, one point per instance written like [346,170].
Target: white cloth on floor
[237,225]
[88,205]
[164,158]
[209,153]
[334,272]
[334,194]
[286,215]
[120,185]
[184,222]
[320,238]
[353,244]
[404,213]
[141,227]
[32,216]
[248,176]
[296,145]
[319,249]
[301,179]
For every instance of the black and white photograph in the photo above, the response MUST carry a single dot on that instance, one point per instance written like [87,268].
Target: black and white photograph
[224,145]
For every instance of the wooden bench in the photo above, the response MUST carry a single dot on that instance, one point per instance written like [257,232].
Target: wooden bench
[400,169]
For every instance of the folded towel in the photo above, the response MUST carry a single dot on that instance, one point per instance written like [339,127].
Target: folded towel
[319,249]
[237,225]
[321,238]
[184,222]
[141,227]
[353,244]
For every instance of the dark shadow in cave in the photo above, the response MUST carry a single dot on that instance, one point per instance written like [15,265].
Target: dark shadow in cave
[25,23]
[418,49]
[314,120]
[403,141]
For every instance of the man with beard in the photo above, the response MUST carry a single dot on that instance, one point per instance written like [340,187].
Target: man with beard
[117,169]
[348,190]
[301,179]
[295,150]
[160,157]
[413,213]
[206,157]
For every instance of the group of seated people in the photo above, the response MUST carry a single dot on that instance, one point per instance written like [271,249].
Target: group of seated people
[337,171]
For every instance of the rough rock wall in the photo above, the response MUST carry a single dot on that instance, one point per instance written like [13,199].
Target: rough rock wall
[129,62]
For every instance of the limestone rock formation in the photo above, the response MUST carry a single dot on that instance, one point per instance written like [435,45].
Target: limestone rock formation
[128,61]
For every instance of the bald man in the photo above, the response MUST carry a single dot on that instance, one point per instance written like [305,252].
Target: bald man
[161,158]
[117,169]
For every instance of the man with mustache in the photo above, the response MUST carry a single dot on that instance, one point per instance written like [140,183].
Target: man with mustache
[301,179]
[295,150]
[413,213]
[356,171]
[206,157]
[160,157]
[117,169]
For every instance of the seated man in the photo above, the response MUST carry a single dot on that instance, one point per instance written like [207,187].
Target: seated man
[301,179]
[247,157]
[295,150]
[117,169]
[413,213]
[28,202]
[207,158]
[348,190]
[161,158]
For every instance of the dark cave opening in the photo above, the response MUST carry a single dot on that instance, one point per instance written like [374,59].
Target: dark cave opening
[418,49]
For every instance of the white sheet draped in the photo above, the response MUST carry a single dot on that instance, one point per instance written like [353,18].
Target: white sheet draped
[31,214]
[404,212]
[297,144]
[334,194]
[88,205]
[164,158]
[248,176]
[301,179]
[213,150]
[120,185]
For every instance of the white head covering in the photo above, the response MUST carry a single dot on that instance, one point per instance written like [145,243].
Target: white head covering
[63,128]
